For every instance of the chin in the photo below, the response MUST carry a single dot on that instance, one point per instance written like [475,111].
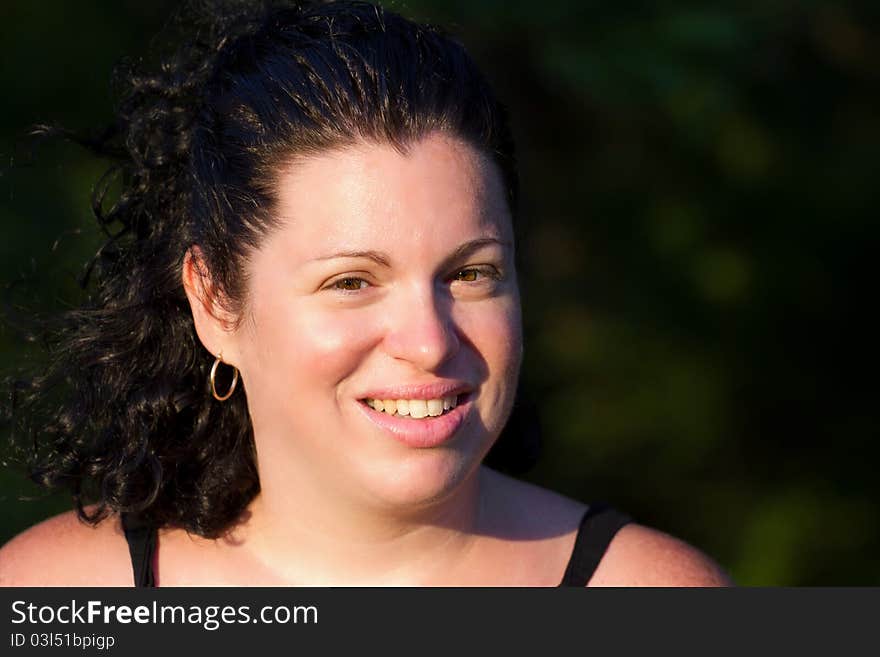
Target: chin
[421,479]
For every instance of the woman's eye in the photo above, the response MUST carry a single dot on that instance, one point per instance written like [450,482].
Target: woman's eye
[349,284]
[471,274]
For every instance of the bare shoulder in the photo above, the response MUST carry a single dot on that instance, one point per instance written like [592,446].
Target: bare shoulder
[637,555]
[642,556]
[532,509]
[64,551]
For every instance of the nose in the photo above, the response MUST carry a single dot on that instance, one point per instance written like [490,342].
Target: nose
[420,330]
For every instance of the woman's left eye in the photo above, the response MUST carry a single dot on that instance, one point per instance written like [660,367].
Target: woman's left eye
[349,284]
[471,274]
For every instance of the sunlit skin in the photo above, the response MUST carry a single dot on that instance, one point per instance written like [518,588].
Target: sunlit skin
[317,331]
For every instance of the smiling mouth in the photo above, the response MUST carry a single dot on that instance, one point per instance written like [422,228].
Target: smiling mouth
[417,409]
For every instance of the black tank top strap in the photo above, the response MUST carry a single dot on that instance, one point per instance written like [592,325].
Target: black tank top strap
[141,538]
[598,527]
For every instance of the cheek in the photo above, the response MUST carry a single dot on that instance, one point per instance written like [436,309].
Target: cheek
[496,334]
[307,348]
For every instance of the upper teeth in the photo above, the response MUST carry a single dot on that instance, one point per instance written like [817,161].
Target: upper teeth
[417,408]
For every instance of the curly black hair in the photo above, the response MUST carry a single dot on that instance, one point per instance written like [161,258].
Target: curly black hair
[122,416]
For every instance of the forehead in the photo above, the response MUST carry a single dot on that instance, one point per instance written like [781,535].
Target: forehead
[441,190]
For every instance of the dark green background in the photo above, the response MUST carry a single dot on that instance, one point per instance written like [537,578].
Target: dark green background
[698,178]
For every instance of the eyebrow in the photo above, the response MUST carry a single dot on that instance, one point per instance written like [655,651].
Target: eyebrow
[382,258]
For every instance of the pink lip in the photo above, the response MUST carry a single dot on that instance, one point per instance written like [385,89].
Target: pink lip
[434,390]
[427,432]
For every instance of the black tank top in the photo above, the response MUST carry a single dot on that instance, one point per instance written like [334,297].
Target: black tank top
[598,527]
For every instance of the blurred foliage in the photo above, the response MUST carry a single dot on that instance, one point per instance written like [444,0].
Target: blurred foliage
[698,190]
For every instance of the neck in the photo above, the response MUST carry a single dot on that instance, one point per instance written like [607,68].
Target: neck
[307,535]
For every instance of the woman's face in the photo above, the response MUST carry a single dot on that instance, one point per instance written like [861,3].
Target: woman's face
[389,277]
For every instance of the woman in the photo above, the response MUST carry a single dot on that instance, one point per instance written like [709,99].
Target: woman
[305,335]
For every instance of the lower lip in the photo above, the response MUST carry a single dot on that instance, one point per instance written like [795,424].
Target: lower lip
[427,432]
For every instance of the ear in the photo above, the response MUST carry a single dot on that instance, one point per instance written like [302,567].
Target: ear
[214,323]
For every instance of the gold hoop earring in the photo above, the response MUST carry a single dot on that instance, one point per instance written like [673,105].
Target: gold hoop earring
[229,392]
